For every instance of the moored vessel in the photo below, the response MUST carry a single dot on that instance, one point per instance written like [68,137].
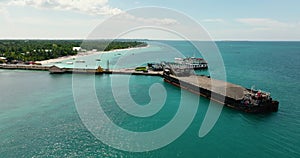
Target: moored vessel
[228,94]
[181,63]
[80,61]
[190,63]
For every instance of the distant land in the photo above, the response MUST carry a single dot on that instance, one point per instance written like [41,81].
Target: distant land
[29,51]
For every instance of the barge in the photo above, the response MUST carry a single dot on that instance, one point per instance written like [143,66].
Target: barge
[227,94]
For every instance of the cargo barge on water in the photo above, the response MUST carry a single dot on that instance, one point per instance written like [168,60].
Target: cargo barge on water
[228,94]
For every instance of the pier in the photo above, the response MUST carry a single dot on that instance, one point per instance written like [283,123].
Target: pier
[24,67]
[133,72]
[99,70]
[227,94]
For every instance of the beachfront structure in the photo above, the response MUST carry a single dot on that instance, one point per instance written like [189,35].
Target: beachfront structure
[3,60]
[57,70]
[77,49]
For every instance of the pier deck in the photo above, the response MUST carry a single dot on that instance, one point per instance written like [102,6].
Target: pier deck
[54,69]
[24,67]
[133,72]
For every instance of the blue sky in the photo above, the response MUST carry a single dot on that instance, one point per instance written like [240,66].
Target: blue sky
[223,20]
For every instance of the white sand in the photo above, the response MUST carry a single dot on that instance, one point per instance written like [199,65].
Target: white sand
[60,59]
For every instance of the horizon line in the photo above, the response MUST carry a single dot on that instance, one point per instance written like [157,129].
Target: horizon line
[218,40]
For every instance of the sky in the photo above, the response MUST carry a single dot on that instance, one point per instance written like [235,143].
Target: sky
[272,20]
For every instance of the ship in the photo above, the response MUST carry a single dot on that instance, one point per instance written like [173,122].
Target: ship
[228,94]
[190,63]
[181,63]
[80,61]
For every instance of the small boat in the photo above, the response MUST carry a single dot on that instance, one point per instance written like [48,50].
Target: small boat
[98,59]
[80,61]
[70,63]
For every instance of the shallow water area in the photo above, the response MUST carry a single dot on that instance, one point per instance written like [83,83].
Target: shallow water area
[38,116]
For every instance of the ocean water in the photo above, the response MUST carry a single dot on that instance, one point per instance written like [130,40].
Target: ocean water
[38,115]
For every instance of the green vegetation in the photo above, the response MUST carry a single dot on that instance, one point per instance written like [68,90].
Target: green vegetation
[36,50]
[106,45]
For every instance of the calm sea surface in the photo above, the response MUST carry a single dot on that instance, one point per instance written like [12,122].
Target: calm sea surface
[38,116]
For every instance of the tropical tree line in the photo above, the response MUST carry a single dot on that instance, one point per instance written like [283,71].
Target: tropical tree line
[107,45]
[37,50]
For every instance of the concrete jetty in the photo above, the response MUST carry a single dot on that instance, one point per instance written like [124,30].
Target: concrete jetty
[24,67]
[228,94]
[99,70]
[57,70]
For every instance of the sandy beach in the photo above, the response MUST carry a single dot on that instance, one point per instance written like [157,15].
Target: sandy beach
[81,54]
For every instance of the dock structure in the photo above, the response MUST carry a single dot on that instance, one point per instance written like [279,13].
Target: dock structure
[99,70]
[228,94]
[57,70]
[24,67]
[133,72]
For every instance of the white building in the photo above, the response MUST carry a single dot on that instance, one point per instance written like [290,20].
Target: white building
[77,49]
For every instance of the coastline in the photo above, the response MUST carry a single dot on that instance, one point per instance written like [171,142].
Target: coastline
[88,53]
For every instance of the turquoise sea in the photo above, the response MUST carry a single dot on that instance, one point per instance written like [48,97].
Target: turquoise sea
[38,116]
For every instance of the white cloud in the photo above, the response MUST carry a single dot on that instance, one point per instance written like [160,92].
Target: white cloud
[137,2]
[263,29]
[264,23]
[4,13]
[2,10]
[42,24]
[253,29]
[157,21]
[148,20]
[93,7]
[213,20]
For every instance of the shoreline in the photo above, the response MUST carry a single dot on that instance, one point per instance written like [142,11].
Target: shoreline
[88,53]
